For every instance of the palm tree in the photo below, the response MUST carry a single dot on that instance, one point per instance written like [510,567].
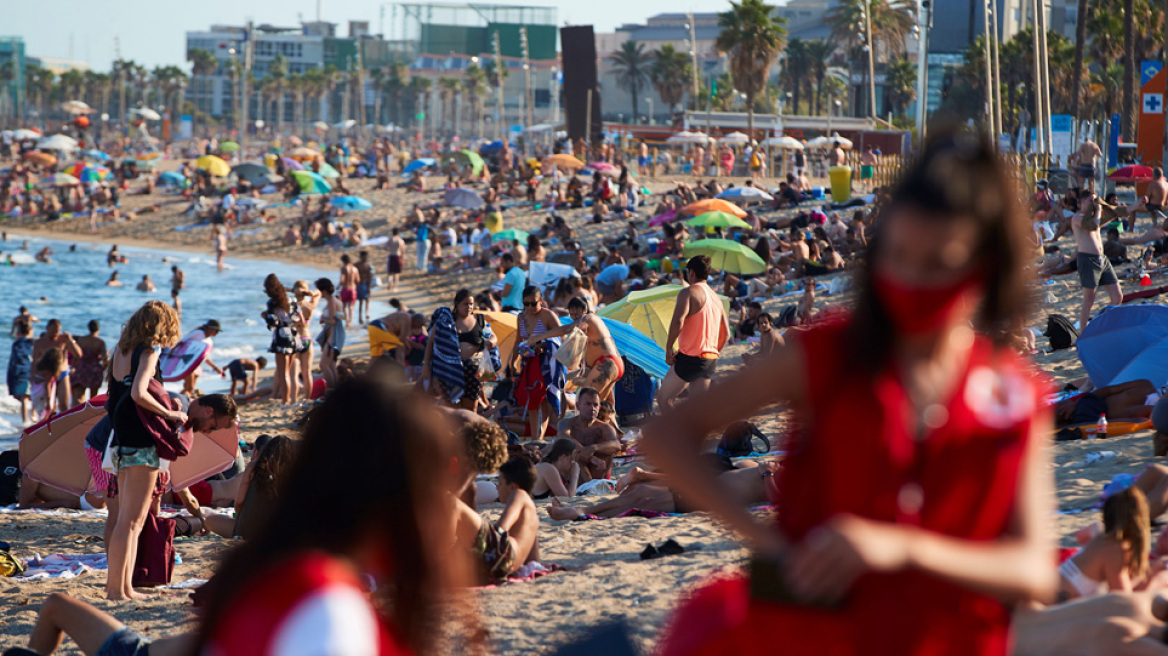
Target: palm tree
[900,78]
[296,86]
[630,66]
[39,83]
[396,84]
[474,80]
[818,54]
[753,39]
[448,89]
[71,82]
[419,87]
[795,71]
[496,77]
[892,21]
[315,87]
[1080,45]
[278,74]
[671,74]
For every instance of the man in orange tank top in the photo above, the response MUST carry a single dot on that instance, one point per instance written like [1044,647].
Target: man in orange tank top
[697,333]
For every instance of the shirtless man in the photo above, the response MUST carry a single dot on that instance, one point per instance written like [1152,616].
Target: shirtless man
[503,547]
[1130,401]
[146,285]
[365,273]
[177,284]
[397,251]
[769,339]
[837,155]
[348,287]
[1084,164]
[603,366]
[1157,196]
[23,315]
[54,337]
[1094,268]
[400,324]
[599,440]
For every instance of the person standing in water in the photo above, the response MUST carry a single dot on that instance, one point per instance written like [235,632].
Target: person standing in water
[219,237]
[348,287]
[89,371]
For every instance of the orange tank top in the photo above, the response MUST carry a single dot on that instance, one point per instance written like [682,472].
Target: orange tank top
[700,332]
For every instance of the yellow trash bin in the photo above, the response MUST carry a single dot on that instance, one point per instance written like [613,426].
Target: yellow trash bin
[841,183]
[493,222]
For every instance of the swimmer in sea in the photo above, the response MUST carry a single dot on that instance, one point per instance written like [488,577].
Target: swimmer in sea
[113,280]
[146,285]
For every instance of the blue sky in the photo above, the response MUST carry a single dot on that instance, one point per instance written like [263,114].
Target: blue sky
[152,33]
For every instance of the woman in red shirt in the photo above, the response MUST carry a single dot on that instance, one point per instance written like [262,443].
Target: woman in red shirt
[912,504]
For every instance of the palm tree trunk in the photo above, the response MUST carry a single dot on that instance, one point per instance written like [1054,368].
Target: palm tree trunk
[634,117]
[750,114]
[1077,72]
[1129,71]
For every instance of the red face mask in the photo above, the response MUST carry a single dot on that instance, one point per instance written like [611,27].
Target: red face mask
[919,310]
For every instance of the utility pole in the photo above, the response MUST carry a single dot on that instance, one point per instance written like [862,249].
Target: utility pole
[526,75]
[499,86]
[997,68]
[360,93]
[924,22]
[693,53]
[989,70]
[1044,88]
[871,59]
[244,104]
[18,70]
[1039,123]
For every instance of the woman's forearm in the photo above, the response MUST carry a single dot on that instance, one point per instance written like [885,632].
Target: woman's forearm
[1011,569]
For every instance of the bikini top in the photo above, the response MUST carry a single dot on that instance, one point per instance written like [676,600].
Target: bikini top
[474,336]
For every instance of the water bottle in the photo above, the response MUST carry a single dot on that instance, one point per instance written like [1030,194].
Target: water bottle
[1101,428]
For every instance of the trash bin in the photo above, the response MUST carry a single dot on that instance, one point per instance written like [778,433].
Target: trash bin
[841,183]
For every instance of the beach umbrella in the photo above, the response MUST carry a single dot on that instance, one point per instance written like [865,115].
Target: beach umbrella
[819,143]
[663,218]
[464,198]
[302,153]
[57,142]
[295,141]
[86,172]
[345,124]
[727,255]
[172,179]
[712,205]
[418,164]
[95,154]
[717,220]
[505,327]
[602,166]
[24,133]
[40,159]
[327,171]
[511,234]
[844,142]
[76,107]
[147,113]
[686,136]
[228,147]
[563,161]
[632,344]
[1132,173]
[735,138]
[311,183]
[648,310]
[539,127]
[52,452]
[786,143]
[745,194]
[59,180]
[213,165]
[352,203]
[291,164]
[464,157]
[321,126]
[1126,343]
[255,174]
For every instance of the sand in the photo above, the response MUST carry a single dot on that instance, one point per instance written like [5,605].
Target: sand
[604,578]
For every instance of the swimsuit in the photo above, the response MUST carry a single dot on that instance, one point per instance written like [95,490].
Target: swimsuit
[235,368]
[620,364]
[89,369]
[348,295]
[1086,587]
[494,551]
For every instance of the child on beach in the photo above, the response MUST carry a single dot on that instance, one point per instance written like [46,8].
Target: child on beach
[244,371]
[513,541]
[20,366]
[1116,559]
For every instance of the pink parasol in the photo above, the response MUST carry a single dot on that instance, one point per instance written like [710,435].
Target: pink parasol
[663,218]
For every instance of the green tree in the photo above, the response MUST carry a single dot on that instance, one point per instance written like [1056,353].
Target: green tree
[398,85]
[795,73]
[448,90]
[900,79]
[474,81]
[819,52]
[38,83]
[630,67]
[892,21]
[671,73]
[753,39]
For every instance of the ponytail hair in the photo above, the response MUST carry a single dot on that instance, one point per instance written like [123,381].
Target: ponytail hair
[1126,519]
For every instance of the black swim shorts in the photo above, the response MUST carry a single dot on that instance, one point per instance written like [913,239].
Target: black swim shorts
[124,642]
[1095,271]
[690,368]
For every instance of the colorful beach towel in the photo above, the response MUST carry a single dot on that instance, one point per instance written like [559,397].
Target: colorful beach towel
[446,363]
[61,566]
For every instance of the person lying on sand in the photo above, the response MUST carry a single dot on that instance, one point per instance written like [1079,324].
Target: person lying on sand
[646,490]
[36,495]
[1131,401]
[558,472]
[503,547]
[1116,624]
[95,632]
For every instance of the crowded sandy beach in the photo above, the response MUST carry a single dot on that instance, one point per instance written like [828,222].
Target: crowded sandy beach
[398,360]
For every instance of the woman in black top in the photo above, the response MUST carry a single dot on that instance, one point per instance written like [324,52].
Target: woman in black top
[473,340]
[135,361]
[279,318]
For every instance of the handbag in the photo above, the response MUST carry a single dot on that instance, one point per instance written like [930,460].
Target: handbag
[171,441]
[154,564]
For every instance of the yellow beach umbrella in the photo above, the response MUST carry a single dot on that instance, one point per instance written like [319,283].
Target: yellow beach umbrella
[505,326]
[649,311]
[213,165]
[563,161]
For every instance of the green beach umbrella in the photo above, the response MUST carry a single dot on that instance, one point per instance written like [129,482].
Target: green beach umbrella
[717,220]
[510,235]
[727,255]
[228,147]
[311,183]
[463,158]
[327,171]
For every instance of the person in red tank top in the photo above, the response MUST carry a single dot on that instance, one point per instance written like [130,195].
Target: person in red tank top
[914,499]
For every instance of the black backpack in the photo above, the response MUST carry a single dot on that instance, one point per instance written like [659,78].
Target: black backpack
[738,440]
[1061,332]
[9,477]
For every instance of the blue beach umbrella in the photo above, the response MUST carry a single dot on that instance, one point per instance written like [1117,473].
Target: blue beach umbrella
[745,194]
[172,178]
[95,154]
[639,349]
[418,164]
[311,183]
[351,203]
[1125,343]
[464,198]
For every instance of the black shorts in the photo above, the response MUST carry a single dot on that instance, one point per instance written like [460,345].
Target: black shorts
[124,642]
[690,368]
[1095,271]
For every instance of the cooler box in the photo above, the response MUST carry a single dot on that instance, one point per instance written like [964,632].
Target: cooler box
[817,193]
[841,183]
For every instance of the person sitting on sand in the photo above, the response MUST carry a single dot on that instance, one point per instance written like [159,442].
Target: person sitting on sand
[513,541]
[146,285]
[646,490]
[558,473]
[244,372]
[257,491]
[769,339]
[1116,559]
[599,441]
[1130,401]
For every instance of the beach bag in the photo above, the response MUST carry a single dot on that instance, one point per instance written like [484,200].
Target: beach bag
[9,565]
[155,562]
[9,477]
[171,441]
[738,440]
[487,371]
[572,348]
[1061,332]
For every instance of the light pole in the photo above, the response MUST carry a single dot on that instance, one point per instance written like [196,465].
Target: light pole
[526,74]
[555,96]
[498,86]
[693,53]
[924,23]
[870,48]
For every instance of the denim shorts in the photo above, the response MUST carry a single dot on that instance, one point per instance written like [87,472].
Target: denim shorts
[126,456]
[124,642]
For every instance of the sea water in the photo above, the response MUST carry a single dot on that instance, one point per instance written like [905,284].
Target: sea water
[72,288]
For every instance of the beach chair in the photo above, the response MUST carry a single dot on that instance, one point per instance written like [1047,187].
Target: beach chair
[633,394]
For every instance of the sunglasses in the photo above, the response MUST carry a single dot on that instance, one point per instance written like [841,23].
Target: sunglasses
[530,303]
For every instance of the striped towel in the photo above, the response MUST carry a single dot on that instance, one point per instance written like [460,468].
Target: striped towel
[446,364]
